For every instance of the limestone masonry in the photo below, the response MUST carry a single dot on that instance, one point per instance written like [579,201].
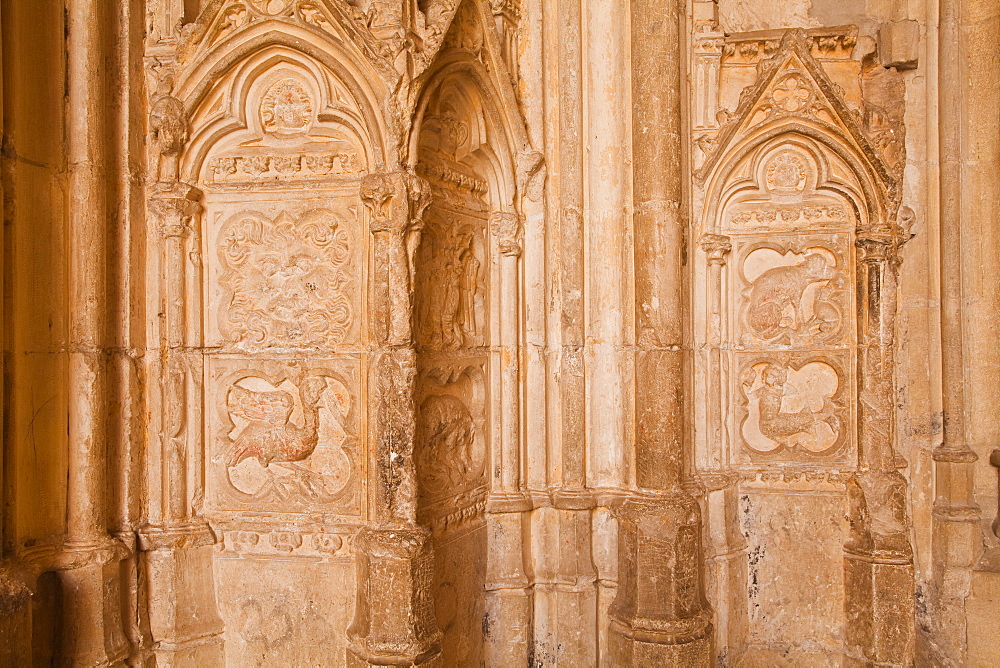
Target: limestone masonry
[500,333]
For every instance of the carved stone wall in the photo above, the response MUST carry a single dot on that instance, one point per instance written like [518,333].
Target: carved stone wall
[799,190]
[499,332]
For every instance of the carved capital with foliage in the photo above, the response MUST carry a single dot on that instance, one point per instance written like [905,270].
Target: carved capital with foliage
[173,208]
[509,232]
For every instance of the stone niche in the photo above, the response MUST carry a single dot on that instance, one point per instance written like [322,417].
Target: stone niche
[278,265]
[453,329]
[792,188]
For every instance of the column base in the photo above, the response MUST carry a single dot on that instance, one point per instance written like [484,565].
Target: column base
[880,625]
[90,587]
[183,618]
[660,616]
[627,648]
[394,622]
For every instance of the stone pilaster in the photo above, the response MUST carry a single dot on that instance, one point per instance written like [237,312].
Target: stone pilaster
[177,546]
[878,558]
[394,622]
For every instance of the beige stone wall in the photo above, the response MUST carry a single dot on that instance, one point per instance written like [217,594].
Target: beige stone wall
[399,332]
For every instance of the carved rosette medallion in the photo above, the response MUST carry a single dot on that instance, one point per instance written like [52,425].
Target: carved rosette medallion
[287,280]
[286,108]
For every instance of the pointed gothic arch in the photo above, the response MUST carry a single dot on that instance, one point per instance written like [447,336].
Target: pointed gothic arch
[465,141]
[795,300]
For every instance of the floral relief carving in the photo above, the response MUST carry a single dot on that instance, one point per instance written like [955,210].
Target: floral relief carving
[284,167]
[288,280]
[791,93]
[271,6]
[289,439]
[792,407]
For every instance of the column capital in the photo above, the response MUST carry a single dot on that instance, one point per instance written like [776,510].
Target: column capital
[173,206]
[716,246]
[508,228]
[396,200]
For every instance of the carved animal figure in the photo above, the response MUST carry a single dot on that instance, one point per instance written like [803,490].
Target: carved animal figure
[269,435]
[446,437]
[776,298]
[779,425]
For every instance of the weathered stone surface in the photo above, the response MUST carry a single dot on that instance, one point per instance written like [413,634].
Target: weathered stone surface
[499,332]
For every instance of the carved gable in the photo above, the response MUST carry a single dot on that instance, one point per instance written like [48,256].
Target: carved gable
[798,174]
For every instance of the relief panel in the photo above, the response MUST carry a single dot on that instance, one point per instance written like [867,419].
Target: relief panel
[451,440]
[451,281]
[284,435]
[794,407]
[285,275]
[791,326]
[794,291]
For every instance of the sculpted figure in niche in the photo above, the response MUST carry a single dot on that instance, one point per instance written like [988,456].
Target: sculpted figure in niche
[288,440]
[447,434]
[791,408]
[448,312]
[790,303]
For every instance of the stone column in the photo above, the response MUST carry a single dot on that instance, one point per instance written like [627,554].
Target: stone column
[716,248]
[878,558]
[89,563]
[508,604]
[394,621]
[177,546]
[956,529]
[15,596]
[660,616]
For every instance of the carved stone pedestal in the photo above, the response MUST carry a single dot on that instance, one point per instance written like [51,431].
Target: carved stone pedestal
[15,620]
[183,617]
[878,572]
[880,610]
[394,623]
[659,617]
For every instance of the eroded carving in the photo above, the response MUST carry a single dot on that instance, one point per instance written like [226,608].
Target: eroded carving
[288,439]
[286,108]
[792,407]
[288,280]
[508,229]
[450,438]
[790,299]
[450,287]
[447,436]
